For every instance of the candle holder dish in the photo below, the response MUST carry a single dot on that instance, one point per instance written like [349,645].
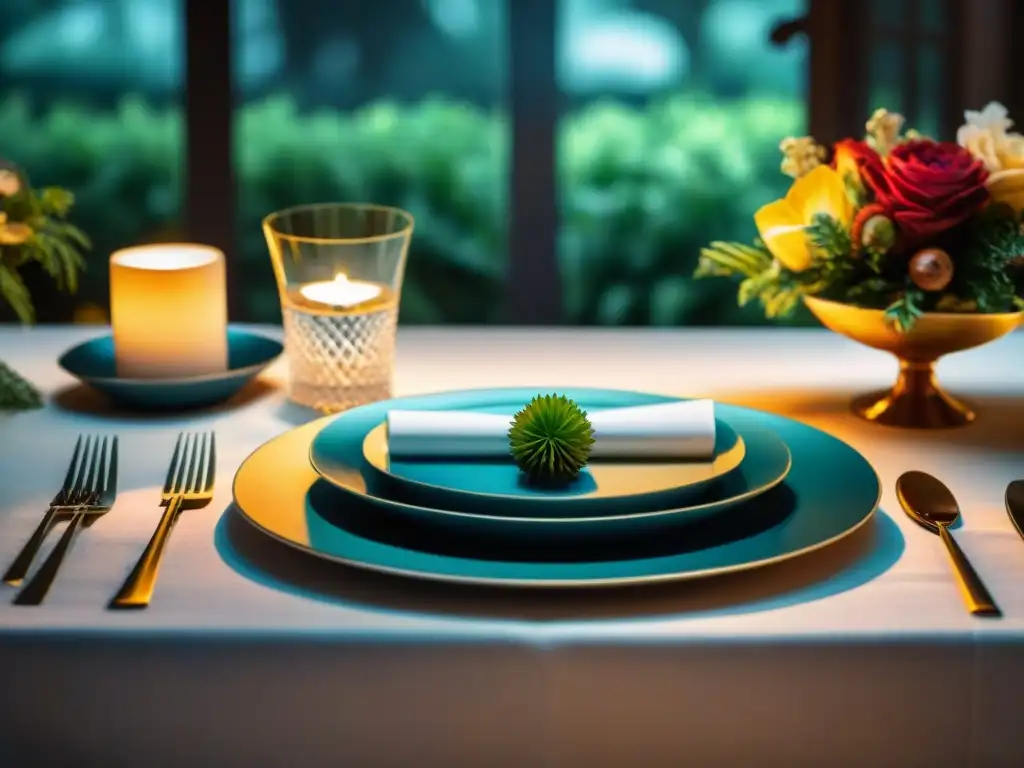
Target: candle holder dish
[339,270]
[916,400]
[93,363]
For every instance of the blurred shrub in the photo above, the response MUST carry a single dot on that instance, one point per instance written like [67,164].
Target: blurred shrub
[641,191]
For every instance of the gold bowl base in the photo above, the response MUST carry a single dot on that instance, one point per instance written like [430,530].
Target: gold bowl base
[916,400]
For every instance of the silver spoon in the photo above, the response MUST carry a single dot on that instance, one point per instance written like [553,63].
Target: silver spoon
[930,503]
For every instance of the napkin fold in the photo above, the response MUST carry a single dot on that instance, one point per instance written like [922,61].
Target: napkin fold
[680,430]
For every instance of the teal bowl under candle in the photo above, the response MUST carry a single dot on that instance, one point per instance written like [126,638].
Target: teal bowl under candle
[93,363]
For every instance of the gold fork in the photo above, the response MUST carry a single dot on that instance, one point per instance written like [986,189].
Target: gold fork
[71,495]
[97,476]
[189,485]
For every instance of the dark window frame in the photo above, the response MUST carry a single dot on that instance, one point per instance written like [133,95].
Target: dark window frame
[977,50]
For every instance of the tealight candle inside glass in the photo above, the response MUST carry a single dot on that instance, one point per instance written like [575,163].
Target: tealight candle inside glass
[339,269]
[168,311]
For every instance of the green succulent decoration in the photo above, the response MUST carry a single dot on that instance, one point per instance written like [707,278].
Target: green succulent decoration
[550,439]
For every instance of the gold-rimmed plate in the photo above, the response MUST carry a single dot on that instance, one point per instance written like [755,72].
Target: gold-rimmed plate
[337,455]
[496,487]
[830,492]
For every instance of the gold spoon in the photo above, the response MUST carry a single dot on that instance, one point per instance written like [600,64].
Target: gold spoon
[928,502]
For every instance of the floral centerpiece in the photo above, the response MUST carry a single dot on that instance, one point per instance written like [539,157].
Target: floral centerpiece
[33,228]
[894,221]
[899,241]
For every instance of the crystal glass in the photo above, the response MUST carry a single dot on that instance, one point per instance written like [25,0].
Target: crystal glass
[339,270]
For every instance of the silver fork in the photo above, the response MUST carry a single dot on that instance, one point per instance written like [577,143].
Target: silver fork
[97,480]
[71,494]
[189,485]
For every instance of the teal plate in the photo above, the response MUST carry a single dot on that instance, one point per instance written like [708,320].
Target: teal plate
[830,492]
[93,363]
[606,487]
[336,454]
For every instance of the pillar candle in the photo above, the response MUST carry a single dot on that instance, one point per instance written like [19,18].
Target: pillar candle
[168,309]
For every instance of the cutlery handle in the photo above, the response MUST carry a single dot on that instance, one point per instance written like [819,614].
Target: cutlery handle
[979,601]
[18,570]
[35,591]
[137,591]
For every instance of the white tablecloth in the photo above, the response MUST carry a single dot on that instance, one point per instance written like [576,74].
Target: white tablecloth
[254,655]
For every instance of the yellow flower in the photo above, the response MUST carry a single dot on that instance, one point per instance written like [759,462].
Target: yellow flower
[782,224]
[1011,152]
[13,233]
[10,184]
[1007,187]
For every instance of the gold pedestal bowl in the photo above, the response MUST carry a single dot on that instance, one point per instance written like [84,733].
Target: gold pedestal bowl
[915,400]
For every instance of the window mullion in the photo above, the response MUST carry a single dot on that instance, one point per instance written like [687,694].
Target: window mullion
[208,184]
[534,294]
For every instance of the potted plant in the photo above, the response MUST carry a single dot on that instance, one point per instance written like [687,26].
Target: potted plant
[898,241]
[33,228]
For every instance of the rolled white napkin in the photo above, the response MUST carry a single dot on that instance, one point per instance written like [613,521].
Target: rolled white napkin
[681,430]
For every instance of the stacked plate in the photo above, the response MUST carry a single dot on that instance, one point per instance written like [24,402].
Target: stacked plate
[773,489]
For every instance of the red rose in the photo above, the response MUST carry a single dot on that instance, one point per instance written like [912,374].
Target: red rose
[928,187]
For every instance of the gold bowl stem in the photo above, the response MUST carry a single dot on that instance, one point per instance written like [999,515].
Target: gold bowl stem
[916,400]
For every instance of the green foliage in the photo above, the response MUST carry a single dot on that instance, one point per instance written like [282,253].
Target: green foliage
[550,439]
[641,191]
[903,312]
[763,280]
[996,245]
[55,244]
[16,394]
[776,289]
[829,236]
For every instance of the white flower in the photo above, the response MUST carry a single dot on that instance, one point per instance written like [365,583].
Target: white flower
[800,155]
[883,130]
[994,118]
[986,135]
[980,142]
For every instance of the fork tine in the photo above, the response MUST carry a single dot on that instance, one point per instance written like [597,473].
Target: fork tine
[111,484]
[197,468]
[186,465]
[193,465]
[99,484]
[172,470]
[82,476]
[211,464]
[92,474]
[186,453]
[69,479]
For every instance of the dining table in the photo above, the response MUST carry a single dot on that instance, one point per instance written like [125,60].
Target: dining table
[252,653]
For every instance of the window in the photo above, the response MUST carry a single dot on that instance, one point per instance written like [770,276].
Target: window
[669,139]
[398,102]
[89,97]
[907,46]
[565,159]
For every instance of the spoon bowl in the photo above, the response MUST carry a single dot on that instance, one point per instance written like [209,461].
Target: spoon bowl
[1015,504]
[927,500]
